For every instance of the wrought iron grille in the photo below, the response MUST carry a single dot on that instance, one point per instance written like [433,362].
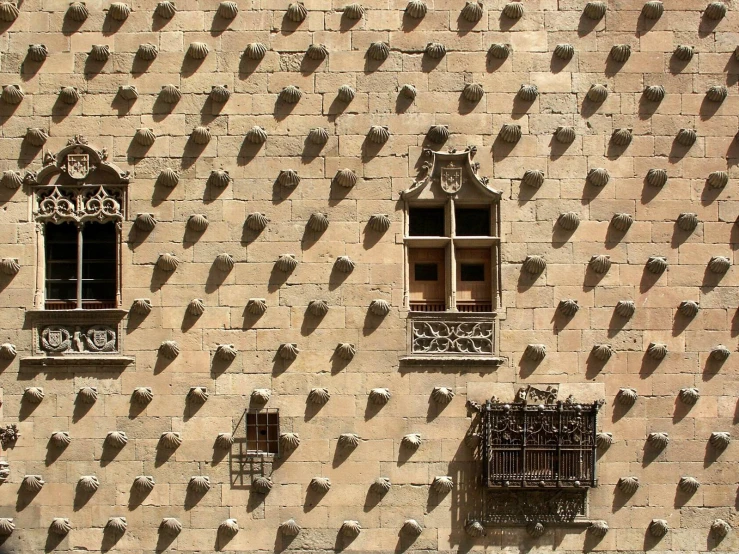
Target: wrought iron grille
[262,432]
[539,446]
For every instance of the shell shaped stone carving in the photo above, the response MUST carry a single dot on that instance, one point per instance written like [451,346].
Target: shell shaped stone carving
[684,52]
[595,10]
[719,264]
[438,134]
[657,350]
[344,264]
[686,137]
[564,51]
[379,134]
[319,396]
[346,351]
[658,440]
[170,526]
[627,397]
[689,396]
[198,395]
[442,395]
[416,9]
[472,11]
[262,484]
[169,349]
[296,12]
[598,177]
[69,95]
[36,52]
[256,221]
[7,351]
[513,10]
[318,308]
[6,526]
[78,12]
[142,395]
[719,528]
[533,178]
[224,441]
[117,524]
[568,307]
[603,440]
[219,94]
[716,11]
[145,222]
[168,177]
[256,306]
[100,52]
[290,528]
[565,135]
[196,307]
[290,441]
[317,52]
[353,11]
[320,484]
[168,262]
[378,51]
[255,51]
[36,136]
[409,91]
[89,483]
[224,262]
[346,93]
[261,396]
[412,527]
[411,440]
[499,51]
[628,485]
[720,440]
[442,484]
[288,351]
[535,529]
[197,50]
[348,440]
[144,483]
[9,11]
[379,222]
[288,178]
[657,264]
[625,308]
[60,526]
[145,136]
[226,352]
[141,306]
[219,178]
[32,483]
[198,222]
[350,529]
[654,93]
[199,483]
[286,263]
[256,135]
[473,92]
[380,307]
[318,135]
[474,528]
[228,10]
[718,179]
[381,485]
[435,50]
[379,396]
[116,439]
[318,222]
[620,53]
[622,137]
[657,177]
[229,527]
[720,353]
[597,93]
[622,222]
[510,133]
[291,94]
[165,9]
[528,93]
[170,440]
[653,9]
[200,135]
[658,528]
[88,395]
[688,484]
[536,352]
[34,395]
[10,266]
[598,528]
[147,52]
[600,264]
[717,93]
[603,352]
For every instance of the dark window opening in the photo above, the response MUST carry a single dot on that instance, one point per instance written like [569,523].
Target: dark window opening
[426,272]
[426,222]
[472,222]
[472,272]
[262,432]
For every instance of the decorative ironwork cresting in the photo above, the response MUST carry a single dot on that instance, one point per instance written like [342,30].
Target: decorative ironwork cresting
[452,337]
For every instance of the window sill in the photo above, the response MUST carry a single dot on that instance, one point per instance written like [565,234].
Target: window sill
[90,361]
[96,316]
[456,360]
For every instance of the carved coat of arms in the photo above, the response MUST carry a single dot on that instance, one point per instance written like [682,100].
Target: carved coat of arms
[451,178]
[78,165]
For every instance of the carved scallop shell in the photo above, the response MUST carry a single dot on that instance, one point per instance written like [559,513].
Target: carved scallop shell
[89,483]
[256,135]
[32,483]
[378,51]
[256,221]
[290,441]
[715,11]
[36,136]
[604,440]
[688,484]
[6,526]
[438,133]
[658,440]
[535,529]
[10,266]
[442,395]
[144,483]
[435,50]
[290,528]
[513,10]
[568,307]
[318,222]
[224,441]
[165,9]
[262,484]
[625,308]
[288,178]
[720,353]
[345,93]
[219,178]
[319,396]
[472,11]
[348,440]
[598,528]
[344,264]
[620,53]
[116,439]
[597,93]
[60,526]
[198,50]
[145,137]
[416,9]
[256,306]
[199,483]
[379,134]
[9,11]
[354,11]
[657,350]
[534,264]
[170,526]
[128,92]
[379,396]
[474,528]
[473,92]
[657,177]
[261,396]
[88,395]
[317,52]
[658,528]
[379,307]
[288,351]
[627,397]
[346,351]
[228,10]
[230,527]
[147,52]
[142,395]
[409,91]
[719,264]
[34,395]
[379,222]
[198,222]
[290,94]
[510,133]
[412,527]
[167,262]
[117,524]
[600,264]
[226,352]
[219,94]
[657,264]
[718,179]
[100,52]
[141,306]
[198,394]
[720,528]
[684,52]
[654,93]
[564,51]
[200,135]
[411,440]
[621,137]
[628,485]
[686,137]
[535,352]
[169,349]
[533,178]
[168,177]
[145,222]
[296,12]
[689,396]
[170,440]
[499,51]
[528,93]
[569,221]
[565,135]
[603,352]
[7,351]
[653,9]
[224,262]
[318,135]
[318,308]
[442,484]
[286,263]
[68,95]
[196,307]
[717,93]
[350,529]
[598,177]
[720,440]
[255,51]
[381,485]
[595,10]
[622,222]
[320,484]
[77,11]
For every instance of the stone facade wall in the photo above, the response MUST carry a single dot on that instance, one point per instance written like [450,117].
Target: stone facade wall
[530,302]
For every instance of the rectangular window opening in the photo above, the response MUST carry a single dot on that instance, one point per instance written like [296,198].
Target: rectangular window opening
[262,432]
[426,222]
[472,272]
[472,222]
[426,272]
[427,279]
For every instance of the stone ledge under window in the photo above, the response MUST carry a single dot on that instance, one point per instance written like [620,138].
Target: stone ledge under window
[90,361]
[456,361]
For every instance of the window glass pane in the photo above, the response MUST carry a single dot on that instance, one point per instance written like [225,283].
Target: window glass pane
[61,261]
[472,222]
[99,261]
[472,272]
[426,272]
[426,222]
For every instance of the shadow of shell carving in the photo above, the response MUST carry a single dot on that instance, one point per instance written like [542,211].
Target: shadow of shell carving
[628,485]
[688,484]
[627,397]
[228,10]
[378,51]
[255,51]
[7,351]
[686,137]
[603,440]
[344,264]
[379,396]
[319,396]
[144,483]
[229,527]
[219,94]
[60,526]
[116,439]
[100,52]
[717,93]
[36,136]
[718,179]
[168,177]
[438,133]
[9,11]
[346,350]
[653,9]
[411,440]
[198,222]
[603,352]
[720,353]
[145,222]
[720,440]
[564,51]
[317,52]
[654,93]
[569,221]
[147,52]
[622,222]
[10,266]
[145,137]
[320,484]
[381,485]
[719,528]
[345,93]
[600,264]
[416,9]
[69,95]
[528,93]
[196,307]
[142,395]
[658,440]
[34,395]
[170,526]
[533,178]
[442,484]
[318,222]
[595,10]
[290,94]
[597,93]
[379,222]
[200,135]
[350,529]
[256,221]
[256,306]
[625,308]
[473,92]
[435,50]
[198,50]
[167,262]
[472,11]
[89,483]
[219,178]
[32,483]
[719,264]
[88,395]
[513,10]
[380,307]
[256,135]
[442,395]
[620,53]
[169,349]
[290,528]
[318,135]
[353,11]
[622,137]
[598,177]
[286,263]
[510,133]
[290,441]
[170,440]
[261,396]
[715,11]
[141,306]
[296,12]
[262,484]
[412,527]
[565,135]
[598,528]
[568,307]
[689,396]
[348,440]
[657,350]
[224,441]
[379,134]
[657,264]
[199,483]
[318,308]
[535,352]
[224,262]
[288,178]
[78,12]
[658,528]
[117,524]
[288,351]
[226,352]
